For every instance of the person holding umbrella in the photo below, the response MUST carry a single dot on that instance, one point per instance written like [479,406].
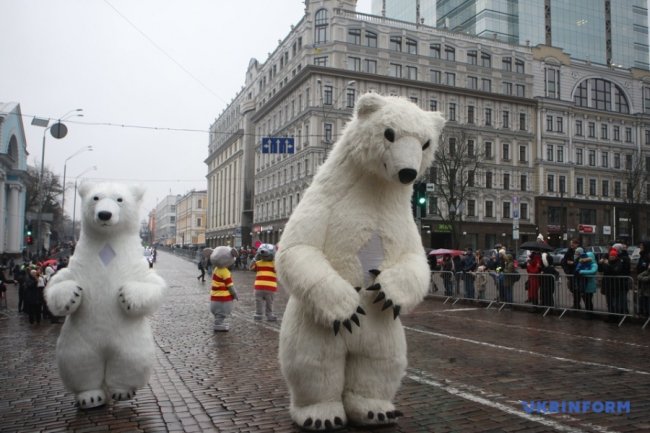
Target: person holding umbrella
[534,266]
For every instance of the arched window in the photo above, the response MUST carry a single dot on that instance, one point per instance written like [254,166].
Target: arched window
[602,95]
[321,26]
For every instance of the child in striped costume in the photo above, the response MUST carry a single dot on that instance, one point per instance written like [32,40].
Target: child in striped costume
[222,291]
[266,283]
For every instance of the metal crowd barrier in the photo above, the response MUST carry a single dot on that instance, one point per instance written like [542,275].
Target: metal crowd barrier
[614,296]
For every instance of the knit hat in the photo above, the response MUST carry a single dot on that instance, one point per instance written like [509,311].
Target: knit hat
[545,258]
[579,251]
[613,252]
[619,247]
[540,237]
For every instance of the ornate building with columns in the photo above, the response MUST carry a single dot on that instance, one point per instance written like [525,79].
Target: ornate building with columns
[13,173]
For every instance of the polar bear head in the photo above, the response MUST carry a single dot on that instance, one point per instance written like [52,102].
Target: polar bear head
[110,207]
[223,257]
[391,137]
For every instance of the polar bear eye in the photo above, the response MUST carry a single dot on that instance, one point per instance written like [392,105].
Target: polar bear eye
[96,198]
[119,200]
[426,145]
[389,134]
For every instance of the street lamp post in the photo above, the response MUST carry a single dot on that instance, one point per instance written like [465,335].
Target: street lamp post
[74,206]
[58,130]
[65,166]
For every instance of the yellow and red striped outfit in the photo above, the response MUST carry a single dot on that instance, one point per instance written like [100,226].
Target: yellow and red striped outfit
[221,281]
[265,279]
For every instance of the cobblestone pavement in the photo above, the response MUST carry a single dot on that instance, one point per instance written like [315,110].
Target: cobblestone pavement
[469,370]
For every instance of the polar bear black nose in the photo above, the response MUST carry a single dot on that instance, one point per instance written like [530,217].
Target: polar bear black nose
[407,175]
[104,215]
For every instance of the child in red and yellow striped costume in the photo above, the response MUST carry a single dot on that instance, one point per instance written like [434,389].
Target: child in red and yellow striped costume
[266,283]
[222,291]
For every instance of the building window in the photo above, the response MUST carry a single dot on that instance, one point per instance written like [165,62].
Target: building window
[604,131]
[592,187]
[579,128]
[628,162]
[506,64]
[472,57]
[320,61]
[488,117]
[604,159]
[617,160]
[452,150]
[370,66]
[320,24]
[592,158]
[471,208]
[472,83]
[413,99]
[559,124]
[604,188]
[328,91]
[433,105]
[506,119]
[488,149]
[562,181]
[328,132]
[395,70]
[435,76]
[592,130]
[520,90]
[505,148]
[646,100]
[519,66]
[354,36]
[450,78]
[523,182]
[488,180]
[396,43]
[549,152]
[470,178]
[486,84]
[350,98]
[647,136]
[560,154]
[489,209]
[550,183]
[450,53]
[452,112]
[579,157]
[506,181]
[628,135]
[522,121]
[434,51]
[371,39]
[411,46]
[411,72]
[522,153]
[506,209]
[617,189]
[549,123]
[552,83]
[470,114]
[470,148]
[580,187]
[523,211]
[507,88]
[486,60]
[198,222]
[354,64]
[616,133]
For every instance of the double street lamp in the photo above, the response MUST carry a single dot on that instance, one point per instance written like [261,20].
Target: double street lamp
[74,206]
[65,166]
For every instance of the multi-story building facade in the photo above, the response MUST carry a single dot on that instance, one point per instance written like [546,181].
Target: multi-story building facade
[491,92]
[593,158]
[417,11]
[165,228]
[13,178]
[607,32]
[190,219]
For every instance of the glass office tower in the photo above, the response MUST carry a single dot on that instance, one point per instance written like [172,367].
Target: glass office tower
[406,10]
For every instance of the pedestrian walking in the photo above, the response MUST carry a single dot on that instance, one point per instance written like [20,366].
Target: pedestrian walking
[33,297]
[201,266]
[266,283]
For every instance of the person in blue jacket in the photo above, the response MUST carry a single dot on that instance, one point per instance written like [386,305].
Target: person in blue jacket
[585,273]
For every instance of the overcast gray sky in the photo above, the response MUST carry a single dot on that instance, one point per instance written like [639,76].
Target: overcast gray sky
[144,63]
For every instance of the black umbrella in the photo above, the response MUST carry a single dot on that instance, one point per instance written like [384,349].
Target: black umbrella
[536,246]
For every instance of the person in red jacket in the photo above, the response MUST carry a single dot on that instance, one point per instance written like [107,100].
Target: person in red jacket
[266,282]
[534,268]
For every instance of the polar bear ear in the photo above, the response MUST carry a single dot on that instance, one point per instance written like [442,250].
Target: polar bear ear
[369,103]
[137,191]
[84,188]
[438,121]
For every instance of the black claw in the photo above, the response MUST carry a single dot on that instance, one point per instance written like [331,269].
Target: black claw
[355,319]
[67,308]
[375,272]
[348,325]
[396,309]
[113,396]
[317,424]
[371,414]
[328,424]
[92,400]
[361,311]
[358,289]
[79,288]
[398,413]
[380,297]
[76,294]
[83,402]
[390,414]
[374,287]
[381,416]
[338,420]
[99,399]
[128,308]
[387,304]
[337,326]
[307,422]
[73,301]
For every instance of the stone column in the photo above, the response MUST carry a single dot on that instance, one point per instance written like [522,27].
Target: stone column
[14,226]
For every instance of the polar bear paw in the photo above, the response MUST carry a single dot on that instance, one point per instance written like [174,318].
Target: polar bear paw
[369,411]
[122,395]
[90,399]
[64,298]
[139,298]
[386,302]
[320,416]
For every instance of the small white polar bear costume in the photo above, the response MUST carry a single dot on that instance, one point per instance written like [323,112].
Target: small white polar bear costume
[106,347]
[351,255]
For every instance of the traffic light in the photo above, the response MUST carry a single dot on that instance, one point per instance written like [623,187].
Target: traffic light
[419,199]
[30,240]
[28,232]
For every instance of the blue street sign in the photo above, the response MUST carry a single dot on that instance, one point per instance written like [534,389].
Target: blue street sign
[278,145]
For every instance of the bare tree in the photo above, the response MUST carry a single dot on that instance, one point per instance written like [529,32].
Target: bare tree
[636,178]
[454,173]
[51,189]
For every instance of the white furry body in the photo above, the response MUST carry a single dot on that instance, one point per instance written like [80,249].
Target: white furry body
[106,343]
[350,220]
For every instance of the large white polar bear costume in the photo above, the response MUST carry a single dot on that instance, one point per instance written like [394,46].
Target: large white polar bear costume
[351,255]
[106,346]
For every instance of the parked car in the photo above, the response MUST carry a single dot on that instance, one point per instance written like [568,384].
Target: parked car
[558,255]
[522,255]
[598,251]
[634,253]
